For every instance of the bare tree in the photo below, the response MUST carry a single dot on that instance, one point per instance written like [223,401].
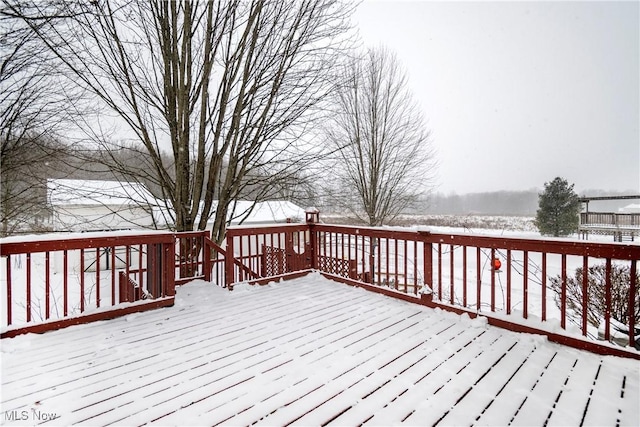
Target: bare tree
[33,97]
[226,87]
[384,153]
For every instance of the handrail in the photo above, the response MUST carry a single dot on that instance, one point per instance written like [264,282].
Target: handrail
[459,271]
[53,282]
[456,272]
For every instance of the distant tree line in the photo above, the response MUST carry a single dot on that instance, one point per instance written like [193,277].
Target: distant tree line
[522,203]
[517,203]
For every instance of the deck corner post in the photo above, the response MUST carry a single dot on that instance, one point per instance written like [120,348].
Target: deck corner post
[169,269]
[428,264]
[312,218]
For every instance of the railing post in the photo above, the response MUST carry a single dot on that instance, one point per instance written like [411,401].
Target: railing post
[169,269]
[228,262]
[206,261]
[312,218]
[427,259]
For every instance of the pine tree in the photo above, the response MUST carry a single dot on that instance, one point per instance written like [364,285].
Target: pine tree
[558,209]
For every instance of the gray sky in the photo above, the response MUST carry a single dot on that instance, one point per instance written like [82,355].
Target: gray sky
[517,93]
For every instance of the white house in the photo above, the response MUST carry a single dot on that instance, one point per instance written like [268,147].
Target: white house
[83,205]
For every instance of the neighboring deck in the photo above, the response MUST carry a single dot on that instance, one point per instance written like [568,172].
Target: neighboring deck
[308,352]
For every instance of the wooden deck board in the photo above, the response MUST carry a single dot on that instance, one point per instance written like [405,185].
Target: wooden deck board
[506,404]
[307,352]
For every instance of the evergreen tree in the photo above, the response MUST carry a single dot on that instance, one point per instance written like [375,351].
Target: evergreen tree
[558,209]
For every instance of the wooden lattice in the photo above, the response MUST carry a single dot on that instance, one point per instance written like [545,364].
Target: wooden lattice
[337,266]
[274,261]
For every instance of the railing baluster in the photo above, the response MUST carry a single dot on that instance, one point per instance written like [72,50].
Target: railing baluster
[113,275]
[98,277]
[415,267]
[65,282]
[361,247]
[525,285]
[585,291]
[440,271]
[493,281]
[478,280]
[544,286]
[9,299]
[372,259]
[141,265]
[632,302]
[383,265]
[508,281]
[82,280]
[563,293]
[28,287]
[451,275]
[378,270]
[607,297]
[241,249]
[464,276]
[395,265]
[47,285]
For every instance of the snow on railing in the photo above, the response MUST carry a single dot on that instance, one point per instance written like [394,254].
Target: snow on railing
[46,281]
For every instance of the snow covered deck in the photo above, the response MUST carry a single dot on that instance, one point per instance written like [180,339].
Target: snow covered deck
[308,352]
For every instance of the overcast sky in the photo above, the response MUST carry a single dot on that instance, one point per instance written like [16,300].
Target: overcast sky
[517,93]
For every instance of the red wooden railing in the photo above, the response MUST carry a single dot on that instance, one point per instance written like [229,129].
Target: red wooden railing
[198,257]
[48,280]
[454,272]
[48,284]
[457,271]
[264,252]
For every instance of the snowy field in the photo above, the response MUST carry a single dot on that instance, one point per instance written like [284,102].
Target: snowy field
[307,352]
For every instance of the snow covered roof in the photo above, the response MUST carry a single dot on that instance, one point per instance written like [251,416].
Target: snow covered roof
[632,208]
[266,212]
[269,212]
[92,192]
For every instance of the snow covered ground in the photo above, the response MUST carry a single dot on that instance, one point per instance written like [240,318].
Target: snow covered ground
[308,352]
